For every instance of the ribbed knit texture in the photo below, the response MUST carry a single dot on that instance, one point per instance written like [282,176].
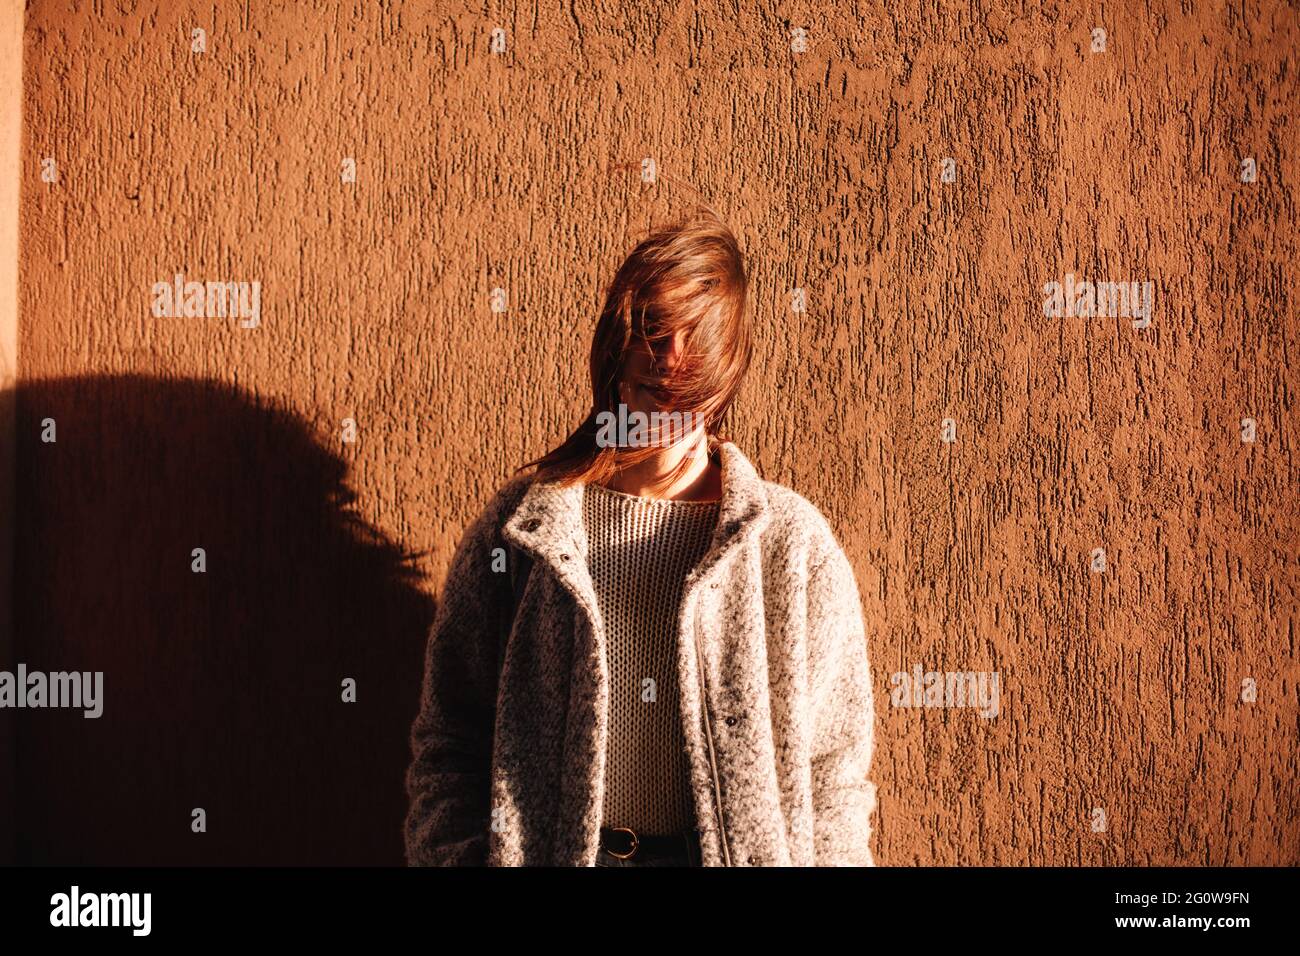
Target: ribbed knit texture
[639,553]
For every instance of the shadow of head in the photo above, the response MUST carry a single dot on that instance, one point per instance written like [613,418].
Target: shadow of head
[223,681]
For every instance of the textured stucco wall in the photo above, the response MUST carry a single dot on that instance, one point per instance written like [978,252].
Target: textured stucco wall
[11,129]
[1121,689]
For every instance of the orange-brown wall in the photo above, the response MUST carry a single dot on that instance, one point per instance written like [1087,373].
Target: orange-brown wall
[1121,689]
[11,96]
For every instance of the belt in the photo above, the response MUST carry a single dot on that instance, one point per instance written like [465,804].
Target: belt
[625,843]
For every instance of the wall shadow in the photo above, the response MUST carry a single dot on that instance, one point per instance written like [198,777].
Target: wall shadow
[222,690]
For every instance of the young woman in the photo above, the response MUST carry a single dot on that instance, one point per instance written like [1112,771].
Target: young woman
[646,654]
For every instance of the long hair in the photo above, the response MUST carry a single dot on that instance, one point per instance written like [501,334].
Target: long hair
[685,278]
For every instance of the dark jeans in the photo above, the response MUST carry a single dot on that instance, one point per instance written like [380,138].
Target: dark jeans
[680,851]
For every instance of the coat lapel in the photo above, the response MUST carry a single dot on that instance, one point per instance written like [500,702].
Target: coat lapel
[547,523]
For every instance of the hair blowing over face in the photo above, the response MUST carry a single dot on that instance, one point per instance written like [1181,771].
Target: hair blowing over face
[687,277]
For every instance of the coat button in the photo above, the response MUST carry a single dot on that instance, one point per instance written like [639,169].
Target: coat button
[532,524]
[731,721]
[753,860]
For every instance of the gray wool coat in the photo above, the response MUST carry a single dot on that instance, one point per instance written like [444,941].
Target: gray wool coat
[508,747]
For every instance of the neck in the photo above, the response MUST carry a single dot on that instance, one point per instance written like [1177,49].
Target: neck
[701,481]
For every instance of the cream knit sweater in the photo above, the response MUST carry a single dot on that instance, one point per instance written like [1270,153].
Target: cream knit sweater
[640,551]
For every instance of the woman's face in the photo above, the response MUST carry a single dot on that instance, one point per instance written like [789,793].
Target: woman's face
[640,387]
[641,390]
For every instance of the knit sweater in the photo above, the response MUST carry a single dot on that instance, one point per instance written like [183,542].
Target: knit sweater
[640,551]
[508,747]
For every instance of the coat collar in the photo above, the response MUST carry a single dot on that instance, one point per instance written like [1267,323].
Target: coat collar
[547,522]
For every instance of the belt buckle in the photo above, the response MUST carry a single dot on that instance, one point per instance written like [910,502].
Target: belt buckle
[636,842]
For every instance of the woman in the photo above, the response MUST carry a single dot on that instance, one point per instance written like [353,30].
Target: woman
[646,654]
